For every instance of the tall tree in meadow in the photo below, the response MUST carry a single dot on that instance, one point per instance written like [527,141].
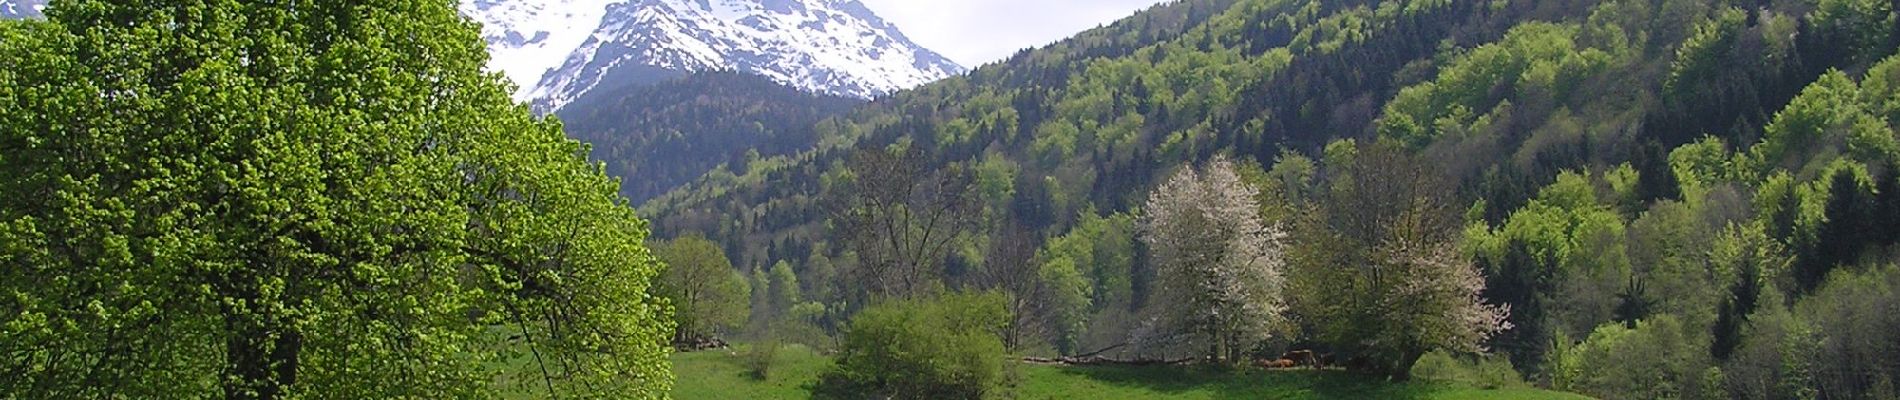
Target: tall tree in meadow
[902,219]
[1376,271]
[314,199]
[1219,264]
[707,294]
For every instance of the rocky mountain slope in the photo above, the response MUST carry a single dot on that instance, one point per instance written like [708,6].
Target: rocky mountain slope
[835,47]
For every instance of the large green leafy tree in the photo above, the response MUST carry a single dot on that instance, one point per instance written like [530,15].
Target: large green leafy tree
[308,199]
[707,294]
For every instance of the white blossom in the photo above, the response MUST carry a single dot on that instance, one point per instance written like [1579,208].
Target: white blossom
[1220,267]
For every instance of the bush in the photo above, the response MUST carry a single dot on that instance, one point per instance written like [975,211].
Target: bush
[1486,371]
[759,358]
[944,348]
[1659,359]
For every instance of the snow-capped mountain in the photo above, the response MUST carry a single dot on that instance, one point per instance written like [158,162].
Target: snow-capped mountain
[526,38]
[559,50]
[826,46]
[16,9]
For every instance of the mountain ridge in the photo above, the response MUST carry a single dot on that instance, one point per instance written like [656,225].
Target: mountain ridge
[836,47]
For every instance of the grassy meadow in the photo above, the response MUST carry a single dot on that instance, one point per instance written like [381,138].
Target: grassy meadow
[720,374]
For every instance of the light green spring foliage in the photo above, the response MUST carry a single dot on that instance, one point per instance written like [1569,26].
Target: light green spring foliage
[1088,272]
[1567,228]
[1826,122]
[1483,371]
[302,200]
[1533,58]
[707,294]
[1661,358]
[946,347]
[1701,55]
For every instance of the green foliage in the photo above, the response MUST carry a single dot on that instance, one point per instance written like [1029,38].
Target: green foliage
[1658,359]
[1826,122]
[707,294]
[1753,260]
[303,200]
[948,347]
[1534,58]
[1836,343]
[1090,274]
[1861,27]
[1376,271]
[1701,56]
[1173,383]
[1483,372]
[1545,125]
[1578,249]
[761,357]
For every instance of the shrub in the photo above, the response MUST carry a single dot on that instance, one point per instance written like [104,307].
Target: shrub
[1661,358]
[759,358]
[1485,371]
[941,348]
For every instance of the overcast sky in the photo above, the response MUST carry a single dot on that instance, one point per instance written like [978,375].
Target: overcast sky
[976,32]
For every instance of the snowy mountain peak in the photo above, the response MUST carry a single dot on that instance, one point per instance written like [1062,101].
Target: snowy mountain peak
[526,38]
[559,50]
[827,46]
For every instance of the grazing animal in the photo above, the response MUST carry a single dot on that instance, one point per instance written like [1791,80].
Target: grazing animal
[1274,364]
[1302,358]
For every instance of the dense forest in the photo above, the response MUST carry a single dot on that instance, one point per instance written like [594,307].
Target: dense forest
[664,135]
[1627,199]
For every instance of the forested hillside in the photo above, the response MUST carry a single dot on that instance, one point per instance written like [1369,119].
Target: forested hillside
[1628,199]
[669,133]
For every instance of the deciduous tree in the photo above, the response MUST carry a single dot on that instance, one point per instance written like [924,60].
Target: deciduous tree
[260,200]
[1376,272]
[707,294]
[1220,267]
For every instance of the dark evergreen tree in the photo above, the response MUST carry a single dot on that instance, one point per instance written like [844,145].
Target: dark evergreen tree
[1734,312]
[1519,280]
[1842,236]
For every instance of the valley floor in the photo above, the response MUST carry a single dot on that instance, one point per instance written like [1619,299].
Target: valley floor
[719,375]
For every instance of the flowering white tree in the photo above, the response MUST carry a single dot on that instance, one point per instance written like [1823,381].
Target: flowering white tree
[1219,265]
[1433,302]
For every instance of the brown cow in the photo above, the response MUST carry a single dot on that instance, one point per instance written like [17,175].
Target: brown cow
[1303,358]
[1274,364]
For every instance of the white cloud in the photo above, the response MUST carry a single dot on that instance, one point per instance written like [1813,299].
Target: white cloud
[976,32]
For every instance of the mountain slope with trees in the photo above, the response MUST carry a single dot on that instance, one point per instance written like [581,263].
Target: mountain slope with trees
[1626,198]
[664,135]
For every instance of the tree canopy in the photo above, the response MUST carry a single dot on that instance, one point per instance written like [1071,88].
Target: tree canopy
[259,200]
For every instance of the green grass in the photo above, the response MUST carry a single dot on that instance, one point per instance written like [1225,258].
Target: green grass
[1055,382]
[719,374]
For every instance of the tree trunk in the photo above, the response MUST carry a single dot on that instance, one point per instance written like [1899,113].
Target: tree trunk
[1218,346]
[1402,371]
